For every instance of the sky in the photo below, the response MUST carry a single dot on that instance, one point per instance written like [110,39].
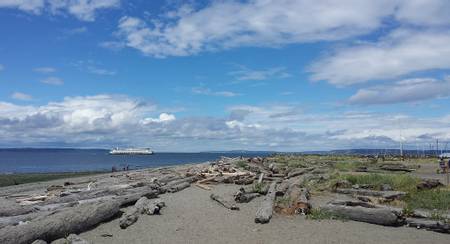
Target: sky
[278,75]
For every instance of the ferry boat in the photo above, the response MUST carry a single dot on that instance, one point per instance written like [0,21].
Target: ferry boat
[131,151]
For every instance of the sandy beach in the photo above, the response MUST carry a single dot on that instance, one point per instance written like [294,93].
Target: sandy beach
[190,215]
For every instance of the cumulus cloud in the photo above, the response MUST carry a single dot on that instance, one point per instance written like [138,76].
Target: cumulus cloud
[45,70]
[209,92]
[82,9]
[21,96]
[53,81]
[110,120]
[164,117]
[401,52]
[409,90]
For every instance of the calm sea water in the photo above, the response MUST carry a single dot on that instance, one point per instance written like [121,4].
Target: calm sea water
[71,160]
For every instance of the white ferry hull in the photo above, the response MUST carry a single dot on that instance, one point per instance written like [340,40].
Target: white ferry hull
[131,152]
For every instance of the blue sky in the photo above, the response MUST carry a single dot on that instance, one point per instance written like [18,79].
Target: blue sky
[221,75]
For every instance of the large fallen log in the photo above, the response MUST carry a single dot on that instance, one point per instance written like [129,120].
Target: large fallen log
[298,201]
[264,213]
[365,213]
[389,195]
[428,224]
[396,167]
[223,202]
[58,225]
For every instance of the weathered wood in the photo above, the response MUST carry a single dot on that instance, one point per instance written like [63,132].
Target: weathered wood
[264,213]
[396,167]
[428,224]
[429,184]
[179,187]
[12,209]
[204,187]
[223,202]
[244,197]
[58,225]
[244,180]
[373,214]
[300,171]
[298,201]
[128,218]
[390,195]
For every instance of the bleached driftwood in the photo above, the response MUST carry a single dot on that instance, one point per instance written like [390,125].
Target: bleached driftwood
[58,225]
[264,213]
[433,225]
[364,212]
[390,195]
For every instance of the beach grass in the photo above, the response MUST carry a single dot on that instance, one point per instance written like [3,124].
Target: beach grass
[17,179]
[399,182]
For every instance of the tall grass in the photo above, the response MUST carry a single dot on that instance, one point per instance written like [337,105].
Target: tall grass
[398,182]
[438,199]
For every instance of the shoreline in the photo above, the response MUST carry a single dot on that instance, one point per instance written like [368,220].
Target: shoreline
[191,214]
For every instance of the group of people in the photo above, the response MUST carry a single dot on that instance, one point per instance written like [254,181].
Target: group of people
[444,166]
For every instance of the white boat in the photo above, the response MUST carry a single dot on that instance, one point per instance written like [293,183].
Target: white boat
[131,151]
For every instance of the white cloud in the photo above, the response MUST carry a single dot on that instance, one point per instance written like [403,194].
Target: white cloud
[227,24]
[53,81]
[21,96]
[400,53]
[45,70]
[82,9]
[32,6]
[424,12]
[410,90]
[244,73]
[163,118]
[269,23]
[209,92]
[114,120]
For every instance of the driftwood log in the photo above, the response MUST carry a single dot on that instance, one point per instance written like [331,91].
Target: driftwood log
[128,218]
[364,212]
[58,225]
[223,202]
[428,224]
[300,171]
[298,201]
[390,195]
[265,211]
[244,197]
[429,184]
[396,167]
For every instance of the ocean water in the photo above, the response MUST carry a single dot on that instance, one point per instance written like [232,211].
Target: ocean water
[75,160]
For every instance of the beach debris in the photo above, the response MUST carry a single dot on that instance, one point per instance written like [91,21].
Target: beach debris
[388,195]
[223,202]
[296,201]
[395,167]
[128,218]
[429,184]
[202,186]
[264,212]
[39,242]
[433,225]
[106,235]
[300,171]
[244,197]
[72,220]
[150,207]
[364,212]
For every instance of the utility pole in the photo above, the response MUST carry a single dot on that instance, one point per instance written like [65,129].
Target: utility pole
[437,147]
